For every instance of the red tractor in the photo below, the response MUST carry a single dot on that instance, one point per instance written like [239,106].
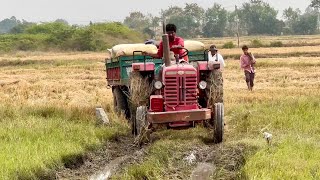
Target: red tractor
[176,94]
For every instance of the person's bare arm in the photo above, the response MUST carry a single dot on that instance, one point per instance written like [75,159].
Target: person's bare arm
[252,59]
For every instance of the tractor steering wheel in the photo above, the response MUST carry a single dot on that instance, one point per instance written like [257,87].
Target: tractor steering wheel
[184,54]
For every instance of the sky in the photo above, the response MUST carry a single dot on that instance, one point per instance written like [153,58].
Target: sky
[84,11]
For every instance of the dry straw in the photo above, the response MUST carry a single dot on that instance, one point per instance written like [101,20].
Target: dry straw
[140,89]
[215,87]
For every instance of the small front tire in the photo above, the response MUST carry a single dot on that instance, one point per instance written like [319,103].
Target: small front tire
[218,123]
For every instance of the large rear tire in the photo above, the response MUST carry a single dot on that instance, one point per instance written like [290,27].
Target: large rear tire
[120,102]
[218,123]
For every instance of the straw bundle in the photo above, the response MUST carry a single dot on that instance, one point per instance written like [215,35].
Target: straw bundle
[140,89]
[215,88]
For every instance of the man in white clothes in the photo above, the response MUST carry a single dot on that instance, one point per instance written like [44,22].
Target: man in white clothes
[213,55]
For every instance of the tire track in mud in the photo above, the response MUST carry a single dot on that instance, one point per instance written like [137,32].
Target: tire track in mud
[226,160]
[103,162]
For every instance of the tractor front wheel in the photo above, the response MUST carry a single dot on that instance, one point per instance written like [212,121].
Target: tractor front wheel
[141,126]
[140,121]
[218,124]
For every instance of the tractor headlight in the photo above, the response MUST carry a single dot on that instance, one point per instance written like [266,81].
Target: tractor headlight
[203,85]
[158,85]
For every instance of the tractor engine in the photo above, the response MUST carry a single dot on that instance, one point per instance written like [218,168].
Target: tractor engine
[180,87]
[177,91]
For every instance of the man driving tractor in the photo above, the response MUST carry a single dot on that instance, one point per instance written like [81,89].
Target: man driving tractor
[175,43]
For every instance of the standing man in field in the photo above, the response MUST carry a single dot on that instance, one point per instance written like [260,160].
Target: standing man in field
[213,55]
[174,43]
[247,62]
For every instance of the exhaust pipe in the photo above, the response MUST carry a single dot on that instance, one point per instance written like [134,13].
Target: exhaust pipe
[165,44]
[166,50]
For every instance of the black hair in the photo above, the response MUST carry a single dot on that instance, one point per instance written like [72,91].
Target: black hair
[171,27]
[213,46]
[245,47]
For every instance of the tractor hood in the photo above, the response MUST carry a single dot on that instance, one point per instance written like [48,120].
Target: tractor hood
[179,70]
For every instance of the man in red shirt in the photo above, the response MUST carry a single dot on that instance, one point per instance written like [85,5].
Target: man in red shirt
[247,62]
[174,43]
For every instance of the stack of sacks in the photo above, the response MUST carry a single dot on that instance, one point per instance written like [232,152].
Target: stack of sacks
[128,49]
[194,45]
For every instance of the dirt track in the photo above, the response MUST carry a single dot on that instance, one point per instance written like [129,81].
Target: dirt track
[120,149]
[112,158]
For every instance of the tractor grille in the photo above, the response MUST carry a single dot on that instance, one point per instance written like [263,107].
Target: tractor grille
[180,90]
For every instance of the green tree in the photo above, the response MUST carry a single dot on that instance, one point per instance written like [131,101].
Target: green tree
[149,32]
[172,11]
[291,16]
[58,32]
[175,15]
[315,3]
[306,25]
[194,15]
[21,27]
[188,19]
[7,24]
[231,24]
[215,21]
[195,11]
[82,40]
[154,24]
[137,21]
[47,28]
[63,21]
[260,18]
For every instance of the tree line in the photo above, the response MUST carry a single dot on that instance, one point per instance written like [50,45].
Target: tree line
[59,35]
[255,17]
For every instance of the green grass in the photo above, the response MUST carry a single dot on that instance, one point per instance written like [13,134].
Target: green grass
[295,125]
[297,115]
[291,158]
[36,140]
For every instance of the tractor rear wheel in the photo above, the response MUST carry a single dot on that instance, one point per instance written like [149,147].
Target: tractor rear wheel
[120,102]
[218,123]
